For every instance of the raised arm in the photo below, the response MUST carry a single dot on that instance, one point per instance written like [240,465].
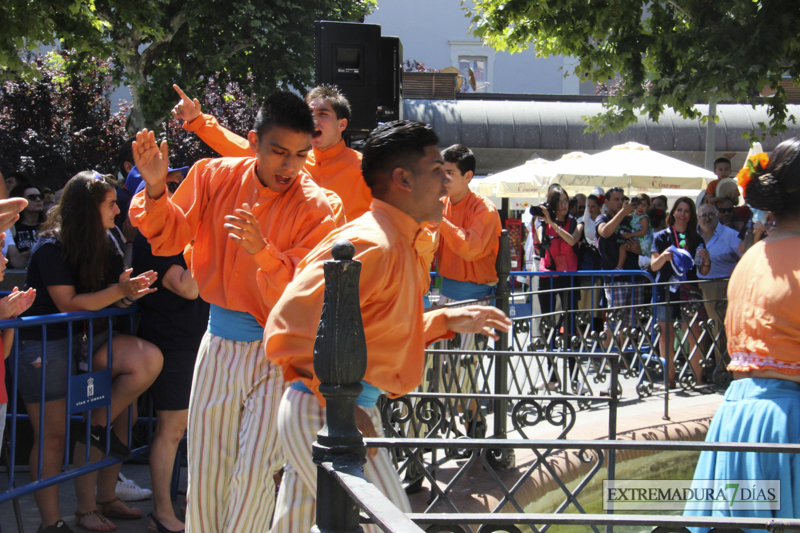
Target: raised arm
[168,223]
[220,139]
[607,229]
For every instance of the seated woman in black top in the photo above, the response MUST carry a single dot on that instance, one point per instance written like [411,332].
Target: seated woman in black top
[73,267]
[26,229]
[681,232]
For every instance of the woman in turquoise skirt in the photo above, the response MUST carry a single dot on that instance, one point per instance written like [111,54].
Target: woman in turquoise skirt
[762,405]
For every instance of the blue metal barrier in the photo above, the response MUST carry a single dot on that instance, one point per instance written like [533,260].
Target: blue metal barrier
[101,381]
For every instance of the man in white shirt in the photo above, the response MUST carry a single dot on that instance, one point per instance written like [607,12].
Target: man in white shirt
[722,244]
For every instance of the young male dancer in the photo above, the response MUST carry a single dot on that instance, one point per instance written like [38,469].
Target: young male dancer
[250,222]
[469,232]
[404,169]
[331,164]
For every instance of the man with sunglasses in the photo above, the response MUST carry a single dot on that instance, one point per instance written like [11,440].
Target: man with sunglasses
[727,215]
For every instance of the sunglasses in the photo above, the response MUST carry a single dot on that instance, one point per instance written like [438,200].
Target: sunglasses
[725,209]
[707,215]
[34,197]
[172,186]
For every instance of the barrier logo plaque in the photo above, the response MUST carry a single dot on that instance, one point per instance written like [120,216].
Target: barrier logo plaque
[90,391]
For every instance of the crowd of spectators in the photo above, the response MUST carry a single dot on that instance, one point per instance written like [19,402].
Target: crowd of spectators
[609,231]
[77,255]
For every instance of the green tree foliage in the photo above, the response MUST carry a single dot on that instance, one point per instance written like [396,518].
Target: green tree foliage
[62,122]
[668,53]
[155,43]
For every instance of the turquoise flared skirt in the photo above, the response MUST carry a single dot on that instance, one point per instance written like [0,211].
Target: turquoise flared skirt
[756,410]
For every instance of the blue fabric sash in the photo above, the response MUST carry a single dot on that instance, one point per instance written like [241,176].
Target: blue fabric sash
[368,397]
[234,325]
[465,290]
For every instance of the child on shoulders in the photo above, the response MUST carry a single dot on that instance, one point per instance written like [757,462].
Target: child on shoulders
[641,229]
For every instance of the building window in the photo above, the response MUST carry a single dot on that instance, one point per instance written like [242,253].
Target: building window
[478,65]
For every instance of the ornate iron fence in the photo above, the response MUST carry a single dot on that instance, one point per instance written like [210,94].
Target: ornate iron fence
[340,362]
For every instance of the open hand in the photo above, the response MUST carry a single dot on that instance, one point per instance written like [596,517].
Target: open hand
[477,319]
[187,109]
[152,161]
[244,230]
[9,212]
[135,288]
[16,303]
[633,246]
[759,228]
[546,216]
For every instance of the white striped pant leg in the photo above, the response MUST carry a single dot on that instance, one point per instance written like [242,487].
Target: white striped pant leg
[300,417]
[214,411]
[260,458]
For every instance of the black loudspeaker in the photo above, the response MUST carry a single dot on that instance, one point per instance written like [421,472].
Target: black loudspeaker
[348,55]
[390,80]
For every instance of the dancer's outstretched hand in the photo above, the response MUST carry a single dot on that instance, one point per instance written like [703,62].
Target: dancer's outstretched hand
[152,161]
[187,109]
[477,319]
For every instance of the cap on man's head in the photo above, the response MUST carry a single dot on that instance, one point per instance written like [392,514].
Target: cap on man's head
[134,182]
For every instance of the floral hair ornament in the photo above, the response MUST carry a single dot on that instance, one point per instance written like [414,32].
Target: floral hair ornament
[601,200]
[755,166]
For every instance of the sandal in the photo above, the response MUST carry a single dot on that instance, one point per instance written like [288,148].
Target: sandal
[80,516]
[135,513]
[159,527]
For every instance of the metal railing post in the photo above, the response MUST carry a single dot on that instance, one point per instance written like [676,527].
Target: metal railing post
[340,361]
[612,429]
[667,351]
[502,302]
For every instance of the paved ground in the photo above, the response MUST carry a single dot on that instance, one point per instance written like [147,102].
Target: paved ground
[591,424]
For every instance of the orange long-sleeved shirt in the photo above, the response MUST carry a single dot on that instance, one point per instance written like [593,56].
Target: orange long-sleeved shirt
[292,223]
[468,241]
[337,169]
[390,293]
[427,245]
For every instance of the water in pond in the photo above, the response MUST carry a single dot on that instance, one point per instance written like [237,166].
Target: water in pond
[661,465]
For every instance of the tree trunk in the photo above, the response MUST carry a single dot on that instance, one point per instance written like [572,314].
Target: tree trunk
[136,121]
[134,69]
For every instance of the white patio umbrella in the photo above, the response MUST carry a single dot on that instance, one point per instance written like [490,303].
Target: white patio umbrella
[525,181]
[632,166]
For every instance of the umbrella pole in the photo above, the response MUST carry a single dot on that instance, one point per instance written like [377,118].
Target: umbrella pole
[711,134]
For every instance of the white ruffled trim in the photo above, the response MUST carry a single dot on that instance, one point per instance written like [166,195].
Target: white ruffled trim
[751,360]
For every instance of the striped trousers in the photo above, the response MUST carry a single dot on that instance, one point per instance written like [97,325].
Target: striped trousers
[232,438]
[300,417]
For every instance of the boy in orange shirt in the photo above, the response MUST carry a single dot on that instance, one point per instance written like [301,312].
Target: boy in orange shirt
[250,221]
[468,234]
[403,168]
[722,168]
[331,164]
